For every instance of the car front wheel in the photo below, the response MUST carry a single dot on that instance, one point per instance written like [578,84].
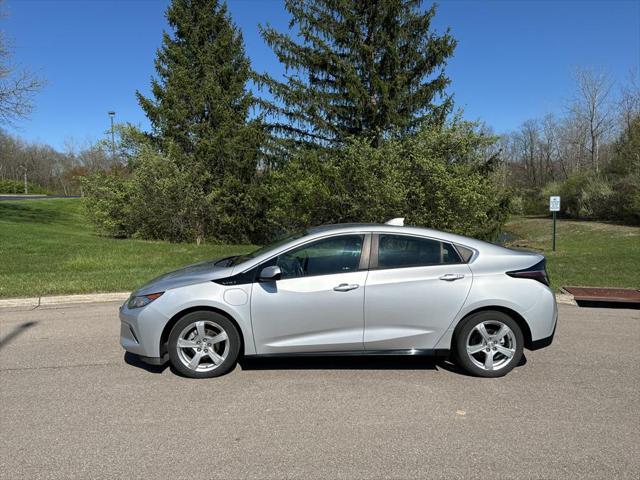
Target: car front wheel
[489,344]
[203,344]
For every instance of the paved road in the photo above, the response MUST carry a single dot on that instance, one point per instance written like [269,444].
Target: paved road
[32,197]
[72,408]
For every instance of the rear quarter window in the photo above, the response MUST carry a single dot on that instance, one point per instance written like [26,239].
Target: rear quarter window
[465,253]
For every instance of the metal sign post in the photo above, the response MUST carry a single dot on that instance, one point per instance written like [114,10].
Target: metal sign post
[554,206]
[554,231]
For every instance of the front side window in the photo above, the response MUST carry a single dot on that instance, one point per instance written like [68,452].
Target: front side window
[332,255]
[397,251]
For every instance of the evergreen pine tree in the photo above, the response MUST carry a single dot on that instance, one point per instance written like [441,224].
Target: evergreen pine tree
[200,114]
[371,68]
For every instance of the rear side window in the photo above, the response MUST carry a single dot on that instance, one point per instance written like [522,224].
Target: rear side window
[397,251]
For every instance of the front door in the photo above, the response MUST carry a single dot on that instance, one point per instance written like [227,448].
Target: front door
[318,304]
[414,292]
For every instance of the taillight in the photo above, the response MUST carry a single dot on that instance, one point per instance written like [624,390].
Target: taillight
[535,272]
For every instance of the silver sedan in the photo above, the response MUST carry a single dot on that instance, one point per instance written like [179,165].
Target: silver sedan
[344,290]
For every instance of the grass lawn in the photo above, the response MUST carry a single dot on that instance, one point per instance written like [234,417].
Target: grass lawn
[47,247]
[592,254]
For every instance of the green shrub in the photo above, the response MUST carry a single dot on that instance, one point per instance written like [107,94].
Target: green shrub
[625,201]
[583,195]
[107,203]
[534,202]
[435,179]
[154,201]
[162,199]
[591,196]
[168,200]
[516,206]
[17,187]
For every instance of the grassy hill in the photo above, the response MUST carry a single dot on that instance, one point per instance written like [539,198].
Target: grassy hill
[47,247]
[593,254]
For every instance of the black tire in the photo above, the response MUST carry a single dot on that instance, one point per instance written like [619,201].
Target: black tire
[233,338]
[493,318]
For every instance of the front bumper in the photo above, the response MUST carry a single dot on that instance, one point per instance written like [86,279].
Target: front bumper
[157,361]
[141,330]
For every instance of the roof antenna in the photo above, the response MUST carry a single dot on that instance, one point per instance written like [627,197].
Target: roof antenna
[396,222]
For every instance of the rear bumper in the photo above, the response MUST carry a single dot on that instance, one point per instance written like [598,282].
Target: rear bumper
[542,343]
[546,341]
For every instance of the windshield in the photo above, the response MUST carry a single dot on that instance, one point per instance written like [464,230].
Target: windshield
[243,258]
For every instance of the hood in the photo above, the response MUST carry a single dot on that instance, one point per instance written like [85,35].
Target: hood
[189,275]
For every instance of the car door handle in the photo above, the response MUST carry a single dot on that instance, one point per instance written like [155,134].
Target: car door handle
[345,287]
[451,277]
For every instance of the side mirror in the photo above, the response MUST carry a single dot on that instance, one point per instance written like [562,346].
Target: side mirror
[270,274]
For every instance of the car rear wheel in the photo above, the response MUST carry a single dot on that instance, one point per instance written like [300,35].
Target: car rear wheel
[204,344]
[489,344]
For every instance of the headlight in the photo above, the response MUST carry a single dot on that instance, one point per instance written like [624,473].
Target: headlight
[142,300]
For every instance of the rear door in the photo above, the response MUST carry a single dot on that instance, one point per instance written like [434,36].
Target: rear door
[318,305]
[415,288]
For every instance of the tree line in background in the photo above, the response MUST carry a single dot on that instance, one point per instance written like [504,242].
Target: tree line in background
[359,129]
[590,156]
[39,168]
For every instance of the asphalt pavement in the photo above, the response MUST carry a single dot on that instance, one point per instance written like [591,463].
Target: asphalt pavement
[32,197]
[72,406]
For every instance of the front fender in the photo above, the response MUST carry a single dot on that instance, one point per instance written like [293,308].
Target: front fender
[150,322]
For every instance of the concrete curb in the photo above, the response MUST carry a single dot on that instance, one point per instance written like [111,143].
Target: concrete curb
[565,298]
[35,302]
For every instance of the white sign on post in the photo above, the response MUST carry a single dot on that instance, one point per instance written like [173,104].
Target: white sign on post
[554,204]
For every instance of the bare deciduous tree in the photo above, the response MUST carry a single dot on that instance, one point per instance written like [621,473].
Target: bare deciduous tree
[529,138]
[629,102]
[592,108]
[572,145]
[17,86]
[577,144]
[549,148]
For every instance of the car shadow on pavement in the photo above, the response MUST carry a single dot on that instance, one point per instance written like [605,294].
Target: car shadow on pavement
[134,361]
[17,331]
[340,363]
[355,363]
[417,362]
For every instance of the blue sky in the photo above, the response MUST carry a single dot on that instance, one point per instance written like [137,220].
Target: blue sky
[514,59]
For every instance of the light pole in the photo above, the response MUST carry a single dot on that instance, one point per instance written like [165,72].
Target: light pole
[113,137]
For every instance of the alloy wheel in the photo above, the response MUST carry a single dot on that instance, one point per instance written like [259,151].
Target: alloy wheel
[203,346]
[491,345]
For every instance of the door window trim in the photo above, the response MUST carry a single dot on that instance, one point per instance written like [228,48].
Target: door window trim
[365,254]
[375,250]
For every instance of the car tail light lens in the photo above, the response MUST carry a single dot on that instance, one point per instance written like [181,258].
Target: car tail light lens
[535,272]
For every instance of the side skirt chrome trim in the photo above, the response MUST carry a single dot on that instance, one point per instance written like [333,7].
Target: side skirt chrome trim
[359,353]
